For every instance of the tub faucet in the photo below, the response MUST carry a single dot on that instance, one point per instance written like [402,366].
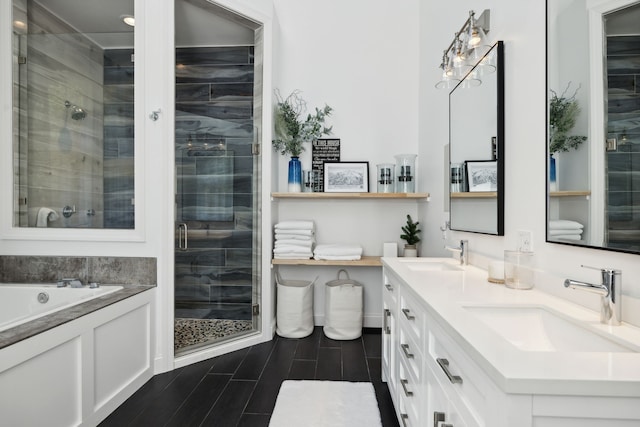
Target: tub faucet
[610,293]
[72,283]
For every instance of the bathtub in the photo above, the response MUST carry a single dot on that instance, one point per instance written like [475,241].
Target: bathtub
[22,303]
[79,359]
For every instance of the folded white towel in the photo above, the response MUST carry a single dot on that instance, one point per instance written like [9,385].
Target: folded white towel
[295,225]
[567,237]
[294,232]
[558,232]
[44,216]
[296,256]
[560,224]
[338,257]
[293,242]
[291,250]
[338,249]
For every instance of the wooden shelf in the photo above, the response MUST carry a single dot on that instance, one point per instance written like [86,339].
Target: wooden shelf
[570,193]
[475,195]
[365,261]
[411,196]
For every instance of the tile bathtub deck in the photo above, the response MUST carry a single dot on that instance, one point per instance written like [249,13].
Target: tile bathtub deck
[240,388]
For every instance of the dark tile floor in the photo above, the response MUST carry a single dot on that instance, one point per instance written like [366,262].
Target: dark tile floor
[240,388]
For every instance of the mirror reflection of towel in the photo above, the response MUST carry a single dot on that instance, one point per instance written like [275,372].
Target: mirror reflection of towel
[44,216]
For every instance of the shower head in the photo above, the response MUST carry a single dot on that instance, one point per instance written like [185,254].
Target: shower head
[77,113]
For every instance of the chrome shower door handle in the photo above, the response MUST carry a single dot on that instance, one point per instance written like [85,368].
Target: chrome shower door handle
[183,240]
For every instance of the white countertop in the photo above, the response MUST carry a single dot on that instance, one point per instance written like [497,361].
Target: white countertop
[446,293]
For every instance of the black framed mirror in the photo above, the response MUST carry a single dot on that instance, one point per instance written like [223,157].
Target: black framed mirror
[593,124]
[476,147]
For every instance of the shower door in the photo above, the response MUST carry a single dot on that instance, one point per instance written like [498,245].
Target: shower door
[217,245]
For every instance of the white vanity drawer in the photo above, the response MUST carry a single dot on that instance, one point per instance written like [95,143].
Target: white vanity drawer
[463,381]
[412,316]
[390,288]
[410,354]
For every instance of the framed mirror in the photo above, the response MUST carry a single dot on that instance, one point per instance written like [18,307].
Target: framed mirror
[73,114]
[593,124]
[476,147]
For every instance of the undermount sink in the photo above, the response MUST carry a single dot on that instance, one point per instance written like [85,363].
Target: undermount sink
[539,329]
[426,264]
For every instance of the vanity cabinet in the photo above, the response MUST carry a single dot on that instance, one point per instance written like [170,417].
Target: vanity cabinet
[437,380]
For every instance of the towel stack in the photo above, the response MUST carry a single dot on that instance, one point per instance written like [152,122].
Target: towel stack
[338,252]
[294,239]
[565,229]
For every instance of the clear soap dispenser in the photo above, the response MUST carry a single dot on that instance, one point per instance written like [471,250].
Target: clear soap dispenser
[405,170]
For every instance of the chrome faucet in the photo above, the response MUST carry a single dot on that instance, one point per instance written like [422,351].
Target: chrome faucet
[462,250]
[610,294]
[72,283]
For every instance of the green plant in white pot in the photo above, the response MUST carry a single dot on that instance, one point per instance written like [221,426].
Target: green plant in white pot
[292,130]
[410,234]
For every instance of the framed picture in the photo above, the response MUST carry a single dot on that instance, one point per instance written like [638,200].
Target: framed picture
[482,175]
[346,177]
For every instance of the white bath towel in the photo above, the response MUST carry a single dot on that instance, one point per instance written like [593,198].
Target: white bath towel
[338,249]
[294,256]
[295,232]
[559,232]
[568,237]
[44,216]
[337,257]
[290,242]
[289,236]
[295,225]
[560,224]
[290,250]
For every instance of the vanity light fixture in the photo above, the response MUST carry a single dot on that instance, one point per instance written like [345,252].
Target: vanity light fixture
[128,19]
[468,47]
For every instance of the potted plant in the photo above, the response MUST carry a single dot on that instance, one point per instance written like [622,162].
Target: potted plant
[292,130]
[410,235]
[563,112]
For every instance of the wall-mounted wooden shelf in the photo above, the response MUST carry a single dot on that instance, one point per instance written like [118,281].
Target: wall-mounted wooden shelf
[324,196]
[570,194]
[475,195]
[365,261]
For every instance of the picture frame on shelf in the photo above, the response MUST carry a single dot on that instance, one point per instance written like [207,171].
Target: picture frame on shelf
[482,175]
[346,177]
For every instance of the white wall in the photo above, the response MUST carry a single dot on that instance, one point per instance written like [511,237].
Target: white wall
[522,27]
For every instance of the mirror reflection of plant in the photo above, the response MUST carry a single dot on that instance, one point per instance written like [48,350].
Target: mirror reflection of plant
[563,112]
[291,130]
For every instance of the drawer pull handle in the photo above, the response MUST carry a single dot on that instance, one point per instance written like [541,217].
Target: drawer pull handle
[439,417]
[444,364]
[404,418]
[406,312]
[386,327]
[407,392]
[389,287]
[405,349]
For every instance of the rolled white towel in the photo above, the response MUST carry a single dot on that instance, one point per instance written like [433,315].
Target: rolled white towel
[295,225]
[564,224]
[44,216]
[338,249]
[559,232]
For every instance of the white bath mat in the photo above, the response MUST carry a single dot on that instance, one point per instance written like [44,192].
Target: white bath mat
[326,404]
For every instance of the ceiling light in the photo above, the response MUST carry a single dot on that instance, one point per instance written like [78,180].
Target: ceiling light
[20,25]
[128,19]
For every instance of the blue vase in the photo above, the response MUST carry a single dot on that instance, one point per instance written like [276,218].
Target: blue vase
[553,184]
[295,175]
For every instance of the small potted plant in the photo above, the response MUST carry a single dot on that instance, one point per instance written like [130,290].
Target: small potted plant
[410,235]
[292,130]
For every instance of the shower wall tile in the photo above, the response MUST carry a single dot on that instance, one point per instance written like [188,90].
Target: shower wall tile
[231,91]
[210,73]
[218,109]
[215,55]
